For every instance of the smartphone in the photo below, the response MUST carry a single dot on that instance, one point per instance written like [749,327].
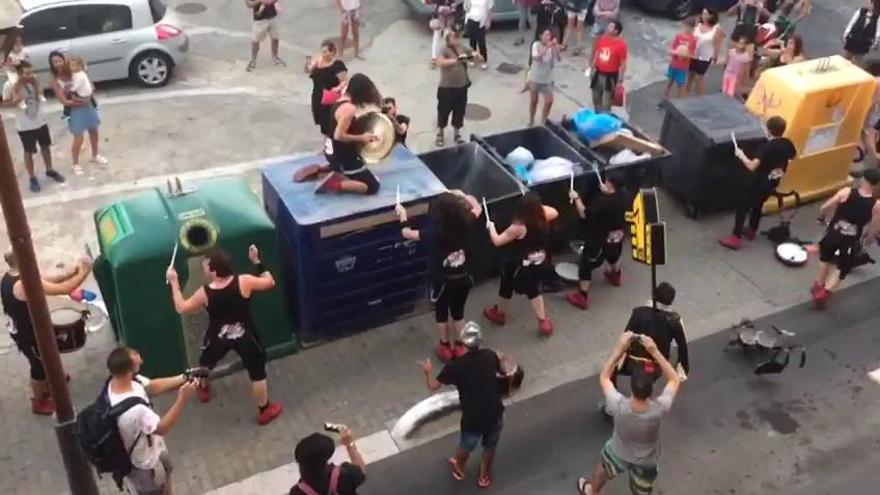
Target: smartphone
[333,427]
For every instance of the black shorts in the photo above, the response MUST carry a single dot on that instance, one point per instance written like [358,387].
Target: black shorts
[699,67]
[449,297]
[840,250]
[592,258]
[28,347]
[524,280]
[248,348]
[29,139]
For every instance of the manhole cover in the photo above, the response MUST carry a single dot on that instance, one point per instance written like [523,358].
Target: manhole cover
[191,8]
[510,69]
[477,112]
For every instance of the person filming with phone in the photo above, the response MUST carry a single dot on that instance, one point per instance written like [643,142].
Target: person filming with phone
[634,446]
[320,477]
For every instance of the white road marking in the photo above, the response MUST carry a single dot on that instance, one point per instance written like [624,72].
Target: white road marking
[154,181]
[196,30]
[373,448]
[875,375]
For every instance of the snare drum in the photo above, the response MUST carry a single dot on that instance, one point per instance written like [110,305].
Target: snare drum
[70,328]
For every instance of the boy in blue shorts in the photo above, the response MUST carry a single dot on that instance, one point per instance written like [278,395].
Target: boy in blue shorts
[683,46]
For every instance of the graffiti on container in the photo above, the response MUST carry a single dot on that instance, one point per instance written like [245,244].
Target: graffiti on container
[345,264]
[188,215]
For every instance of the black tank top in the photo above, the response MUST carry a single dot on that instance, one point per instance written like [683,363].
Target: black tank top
[229,313]
[269,12]
[16,310]
[532,249]
[342,155]
[851,217]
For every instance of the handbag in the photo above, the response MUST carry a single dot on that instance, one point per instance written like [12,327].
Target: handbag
[619,98]
[334,484]
[329,97]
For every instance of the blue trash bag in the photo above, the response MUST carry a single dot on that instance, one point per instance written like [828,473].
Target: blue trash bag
[581,116]
[597,126]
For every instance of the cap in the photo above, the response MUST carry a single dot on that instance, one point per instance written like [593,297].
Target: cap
[314,449]
[872,176]
[472,335]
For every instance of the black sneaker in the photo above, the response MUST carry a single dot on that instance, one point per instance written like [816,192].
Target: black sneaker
[54,175]
[35,185]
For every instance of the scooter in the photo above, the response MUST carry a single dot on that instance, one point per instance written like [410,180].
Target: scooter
[772,348]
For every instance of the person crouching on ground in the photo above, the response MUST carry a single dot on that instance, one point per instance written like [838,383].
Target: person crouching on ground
[482,412]
[528,236]
[231,325]
[852,209]
[453,212]
[605,221]
[634,446]
[350,174]
[318,476]
[766,172]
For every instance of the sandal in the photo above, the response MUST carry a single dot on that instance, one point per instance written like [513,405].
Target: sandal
[453,466]
[440,141]
[484,481]
[458,139]
[584,487]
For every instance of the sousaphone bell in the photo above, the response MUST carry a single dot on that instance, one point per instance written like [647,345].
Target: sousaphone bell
[370,118]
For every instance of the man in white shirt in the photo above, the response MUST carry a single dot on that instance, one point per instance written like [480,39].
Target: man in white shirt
[24,94]
[350,14]
[142,430]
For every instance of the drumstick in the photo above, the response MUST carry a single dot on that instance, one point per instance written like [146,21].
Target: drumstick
[486,211]
[733,138]
[173,257]
[397,201]
[89,252]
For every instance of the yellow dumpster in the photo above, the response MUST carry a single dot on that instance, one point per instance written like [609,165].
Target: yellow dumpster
[825,103]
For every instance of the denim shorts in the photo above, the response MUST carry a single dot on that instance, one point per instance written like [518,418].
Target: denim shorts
[468,440]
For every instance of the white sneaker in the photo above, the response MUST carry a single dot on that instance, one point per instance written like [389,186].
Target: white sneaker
[100,160]
[77,170]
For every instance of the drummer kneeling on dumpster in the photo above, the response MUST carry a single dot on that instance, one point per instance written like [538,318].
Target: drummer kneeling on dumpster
[15,305]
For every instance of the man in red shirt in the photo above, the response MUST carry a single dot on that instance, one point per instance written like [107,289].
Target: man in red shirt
[683,46]
[608,66]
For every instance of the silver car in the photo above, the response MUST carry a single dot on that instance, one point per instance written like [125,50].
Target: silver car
[136,39]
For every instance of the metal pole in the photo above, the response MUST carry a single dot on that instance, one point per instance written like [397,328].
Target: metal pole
[79,471]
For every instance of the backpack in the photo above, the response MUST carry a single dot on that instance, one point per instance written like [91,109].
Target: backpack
[98,434]
[334,484]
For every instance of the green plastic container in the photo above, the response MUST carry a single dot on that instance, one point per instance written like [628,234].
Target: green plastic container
[137,238]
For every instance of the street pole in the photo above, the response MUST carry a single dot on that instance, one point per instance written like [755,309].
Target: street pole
[79,471]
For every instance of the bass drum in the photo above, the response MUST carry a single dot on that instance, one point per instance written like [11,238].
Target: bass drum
[792,254]
[70,328]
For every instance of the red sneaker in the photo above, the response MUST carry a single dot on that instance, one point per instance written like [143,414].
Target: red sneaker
[614,278]
[444,352]
[460,349]
[750,234]
[579,300]
[495,315]
[332,183]
[271,412]
[731,242]
[815,289]
[545,327]
[204,393]
[43,407]
[821,297]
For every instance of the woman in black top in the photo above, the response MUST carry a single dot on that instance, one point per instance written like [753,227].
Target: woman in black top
[527,235]
[231,326]
[862,33]
[328,73]
[453,213]
[853,209]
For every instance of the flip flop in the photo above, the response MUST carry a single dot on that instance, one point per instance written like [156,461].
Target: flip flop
[582,485]
[453,466]
[484,481]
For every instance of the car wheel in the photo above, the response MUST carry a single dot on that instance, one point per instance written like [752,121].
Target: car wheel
[679,9]
[151,69]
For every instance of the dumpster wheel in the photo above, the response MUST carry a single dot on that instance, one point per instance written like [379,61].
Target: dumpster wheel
[198,235]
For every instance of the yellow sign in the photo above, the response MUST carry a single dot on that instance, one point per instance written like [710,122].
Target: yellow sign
[645,214]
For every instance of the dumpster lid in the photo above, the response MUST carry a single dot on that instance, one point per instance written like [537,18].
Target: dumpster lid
[714,116]
[404,169]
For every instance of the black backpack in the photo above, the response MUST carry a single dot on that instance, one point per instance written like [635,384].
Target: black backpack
[98,435]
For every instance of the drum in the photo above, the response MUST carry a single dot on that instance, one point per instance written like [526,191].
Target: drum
[371,119]
[70,328]
[791,254]
[567,271]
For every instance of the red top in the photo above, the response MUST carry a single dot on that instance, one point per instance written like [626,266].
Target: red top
[610,54]
[682,39]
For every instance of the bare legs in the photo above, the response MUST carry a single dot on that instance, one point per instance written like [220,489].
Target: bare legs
[538,306]
[260,392]
[533,107]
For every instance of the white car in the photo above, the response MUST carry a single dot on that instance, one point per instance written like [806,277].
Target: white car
[119,39]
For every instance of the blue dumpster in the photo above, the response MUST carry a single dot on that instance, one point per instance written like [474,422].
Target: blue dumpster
[347,265]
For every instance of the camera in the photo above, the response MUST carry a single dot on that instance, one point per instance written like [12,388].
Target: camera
[197,373]
[386,109]
[333,427]
[466,56]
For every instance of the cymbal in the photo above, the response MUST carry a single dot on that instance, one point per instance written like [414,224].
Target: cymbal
[380,125]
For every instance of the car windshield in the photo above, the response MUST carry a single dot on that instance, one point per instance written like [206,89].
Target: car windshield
[158,8]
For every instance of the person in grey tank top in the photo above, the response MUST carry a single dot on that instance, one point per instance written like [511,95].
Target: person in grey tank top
[545,55]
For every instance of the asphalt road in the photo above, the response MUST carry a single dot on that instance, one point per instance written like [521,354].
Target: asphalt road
[808,431]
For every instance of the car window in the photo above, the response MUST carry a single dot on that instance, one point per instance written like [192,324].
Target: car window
[46,26]
[157,8]
[100,19]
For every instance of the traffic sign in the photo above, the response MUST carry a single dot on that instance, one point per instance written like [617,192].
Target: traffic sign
[647,232]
